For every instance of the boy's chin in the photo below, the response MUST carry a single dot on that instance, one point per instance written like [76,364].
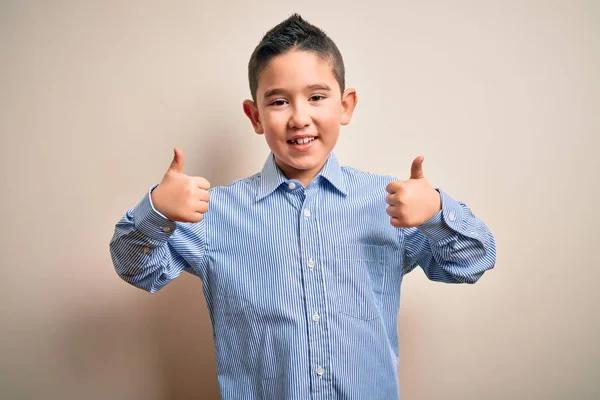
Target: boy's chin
[308,164]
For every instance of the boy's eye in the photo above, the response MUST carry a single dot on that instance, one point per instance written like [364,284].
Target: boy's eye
[278,103]
[317,97]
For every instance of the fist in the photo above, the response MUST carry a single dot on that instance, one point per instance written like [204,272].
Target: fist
[412,202]
[180,197]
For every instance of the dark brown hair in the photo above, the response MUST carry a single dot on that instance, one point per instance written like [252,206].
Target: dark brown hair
[294,34]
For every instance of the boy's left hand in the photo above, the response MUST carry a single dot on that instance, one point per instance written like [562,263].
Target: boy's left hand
[412,202]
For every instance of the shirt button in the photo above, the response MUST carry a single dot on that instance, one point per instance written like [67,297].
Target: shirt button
[320,371]
[166,229]
[316,317]
[451,216]
[292,186]
[306,213]
[311,263]
[146,249]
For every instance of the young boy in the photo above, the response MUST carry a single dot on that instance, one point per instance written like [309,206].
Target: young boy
[302,262]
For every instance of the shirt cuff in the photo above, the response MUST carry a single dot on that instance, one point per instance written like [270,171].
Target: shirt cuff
[150,222]
[446,222]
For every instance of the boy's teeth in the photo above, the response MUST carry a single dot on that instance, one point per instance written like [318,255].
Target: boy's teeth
[303,140]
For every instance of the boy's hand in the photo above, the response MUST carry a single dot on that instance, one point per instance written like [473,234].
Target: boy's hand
[180,197]
[412,202]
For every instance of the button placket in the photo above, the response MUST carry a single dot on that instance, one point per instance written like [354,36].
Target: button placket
[314,291]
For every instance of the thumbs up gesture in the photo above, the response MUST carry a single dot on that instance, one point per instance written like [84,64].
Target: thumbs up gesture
[412,202]
[180,197]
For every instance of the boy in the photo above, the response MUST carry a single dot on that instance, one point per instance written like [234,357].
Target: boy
[302,262]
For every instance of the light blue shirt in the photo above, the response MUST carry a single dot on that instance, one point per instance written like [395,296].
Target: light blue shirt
[302,284]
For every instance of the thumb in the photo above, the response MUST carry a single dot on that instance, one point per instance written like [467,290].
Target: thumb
[177,163]
[416,170]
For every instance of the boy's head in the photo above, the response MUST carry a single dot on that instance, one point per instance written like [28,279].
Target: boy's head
[296,76]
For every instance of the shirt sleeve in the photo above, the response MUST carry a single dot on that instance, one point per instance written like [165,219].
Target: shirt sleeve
[454,246]
[148,250]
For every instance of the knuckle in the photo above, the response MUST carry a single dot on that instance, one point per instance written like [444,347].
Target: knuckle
[392,186]
[401,198]
[203,207]
[395,199]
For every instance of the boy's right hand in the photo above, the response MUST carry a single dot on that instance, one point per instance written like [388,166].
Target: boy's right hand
[180,197]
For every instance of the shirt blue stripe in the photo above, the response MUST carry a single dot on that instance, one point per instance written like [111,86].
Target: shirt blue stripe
[302,284]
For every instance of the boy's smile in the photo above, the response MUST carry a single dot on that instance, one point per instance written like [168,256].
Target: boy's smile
[299,109]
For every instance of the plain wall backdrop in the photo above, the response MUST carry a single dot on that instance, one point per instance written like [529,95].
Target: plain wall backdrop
[501,97]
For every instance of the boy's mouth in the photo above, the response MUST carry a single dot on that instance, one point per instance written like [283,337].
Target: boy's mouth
[302,144]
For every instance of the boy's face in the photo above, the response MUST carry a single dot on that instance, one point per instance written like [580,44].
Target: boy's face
[299,109]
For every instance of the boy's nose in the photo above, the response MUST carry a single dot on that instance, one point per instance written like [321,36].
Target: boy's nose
[299,118]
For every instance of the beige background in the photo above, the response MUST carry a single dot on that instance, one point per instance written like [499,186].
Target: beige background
[501,97]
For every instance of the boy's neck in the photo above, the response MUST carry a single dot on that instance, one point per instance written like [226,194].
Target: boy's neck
[304,176]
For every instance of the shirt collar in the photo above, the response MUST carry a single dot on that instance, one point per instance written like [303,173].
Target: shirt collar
[271,176]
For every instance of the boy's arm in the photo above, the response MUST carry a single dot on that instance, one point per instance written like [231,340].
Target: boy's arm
[454,246]
[151,240]
[146,246]
[436,232]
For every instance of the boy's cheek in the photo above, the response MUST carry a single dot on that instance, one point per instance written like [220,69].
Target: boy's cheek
[328,117]
[276,123]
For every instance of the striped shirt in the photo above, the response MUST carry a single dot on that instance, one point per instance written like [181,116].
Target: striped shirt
[302,284]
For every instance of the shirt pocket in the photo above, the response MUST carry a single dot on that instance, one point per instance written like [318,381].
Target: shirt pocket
[359,277]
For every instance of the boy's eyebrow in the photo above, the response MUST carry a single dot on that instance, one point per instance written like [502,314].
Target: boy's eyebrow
[316,86]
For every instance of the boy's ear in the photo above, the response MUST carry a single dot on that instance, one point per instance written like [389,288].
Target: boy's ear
[251,112]
[349,101]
